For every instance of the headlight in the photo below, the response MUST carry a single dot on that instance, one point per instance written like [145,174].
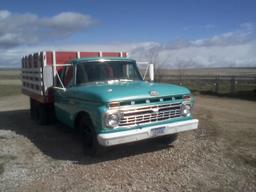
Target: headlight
[112,119]
[186,110]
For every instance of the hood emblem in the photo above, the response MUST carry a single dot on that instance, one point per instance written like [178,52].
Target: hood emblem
[153,93]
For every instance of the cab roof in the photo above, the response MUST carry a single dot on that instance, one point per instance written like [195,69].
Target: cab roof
[92,59]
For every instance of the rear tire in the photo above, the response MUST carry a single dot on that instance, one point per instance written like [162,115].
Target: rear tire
[42,115]
[51,114]
[32,109]
[89,136]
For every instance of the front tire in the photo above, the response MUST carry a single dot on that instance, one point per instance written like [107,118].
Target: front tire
[89,136]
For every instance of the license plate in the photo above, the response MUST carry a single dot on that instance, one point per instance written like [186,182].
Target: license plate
[157,131]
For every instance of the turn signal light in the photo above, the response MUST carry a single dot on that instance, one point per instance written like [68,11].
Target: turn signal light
[186,97]
[114,105]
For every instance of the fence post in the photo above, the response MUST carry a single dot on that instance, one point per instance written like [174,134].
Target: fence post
[180,79]
[217,84]
[232,85]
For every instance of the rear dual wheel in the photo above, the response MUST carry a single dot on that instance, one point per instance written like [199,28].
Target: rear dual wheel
[33,109]
[43,114]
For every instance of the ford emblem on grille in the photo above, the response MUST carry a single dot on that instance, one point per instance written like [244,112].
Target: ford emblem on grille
[154,93]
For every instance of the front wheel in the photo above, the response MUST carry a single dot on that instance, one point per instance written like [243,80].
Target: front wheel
[89,137]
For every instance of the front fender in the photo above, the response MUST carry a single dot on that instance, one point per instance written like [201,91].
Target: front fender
[92,109]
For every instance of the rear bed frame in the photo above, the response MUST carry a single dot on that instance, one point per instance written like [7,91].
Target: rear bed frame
[41,70]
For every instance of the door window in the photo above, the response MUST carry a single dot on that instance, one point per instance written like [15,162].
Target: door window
[68,76]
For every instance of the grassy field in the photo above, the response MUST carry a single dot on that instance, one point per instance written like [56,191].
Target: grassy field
[10,83]
[10,74]
[8,90]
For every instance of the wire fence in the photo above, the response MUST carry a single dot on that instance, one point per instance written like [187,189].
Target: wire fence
[218,84]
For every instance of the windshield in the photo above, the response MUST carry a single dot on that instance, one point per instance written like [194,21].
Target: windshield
[106,71]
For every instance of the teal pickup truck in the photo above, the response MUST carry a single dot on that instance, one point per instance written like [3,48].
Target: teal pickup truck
[107,100]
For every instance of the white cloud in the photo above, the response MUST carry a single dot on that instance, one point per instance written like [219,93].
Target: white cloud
[231,49]
[69,22]
[4,14]
[11,57]
[29,29]
[241,35]
[239,55]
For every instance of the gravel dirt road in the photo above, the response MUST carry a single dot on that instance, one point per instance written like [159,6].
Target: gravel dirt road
[219,156]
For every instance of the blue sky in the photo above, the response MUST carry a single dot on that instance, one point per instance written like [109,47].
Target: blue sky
[143,20]
[127,22]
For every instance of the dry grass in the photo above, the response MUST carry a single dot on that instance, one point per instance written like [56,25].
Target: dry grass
[8,90]
[10,82]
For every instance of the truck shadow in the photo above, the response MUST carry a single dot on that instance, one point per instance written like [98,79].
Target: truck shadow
[58,142]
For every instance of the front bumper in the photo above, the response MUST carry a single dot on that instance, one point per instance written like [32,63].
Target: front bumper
[110,139]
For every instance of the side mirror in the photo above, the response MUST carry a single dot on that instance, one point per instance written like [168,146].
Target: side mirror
[150,69]
[151,72]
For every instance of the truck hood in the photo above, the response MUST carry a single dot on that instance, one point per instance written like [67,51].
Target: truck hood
[119,91]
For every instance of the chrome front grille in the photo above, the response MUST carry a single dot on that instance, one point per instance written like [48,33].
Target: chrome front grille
[148,114]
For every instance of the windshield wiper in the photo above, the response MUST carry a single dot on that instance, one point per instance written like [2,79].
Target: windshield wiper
[125,80]
[119,80]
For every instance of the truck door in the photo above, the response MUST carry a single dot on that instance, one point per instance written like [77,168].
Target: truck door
[63,100]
